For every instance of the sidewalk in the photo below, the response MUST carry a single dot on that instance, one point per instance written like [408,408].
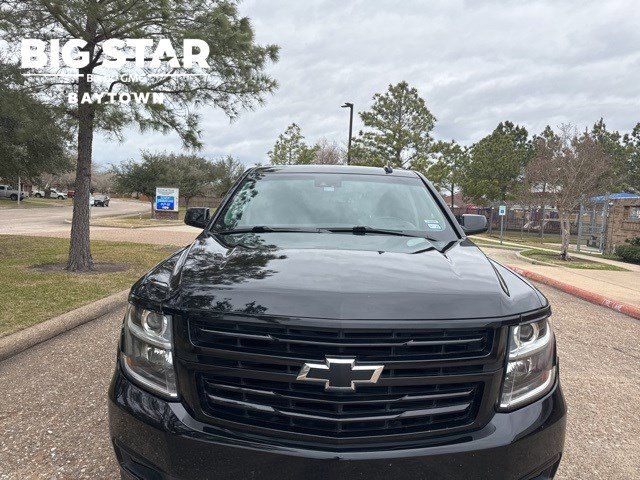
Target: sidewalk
[622,287]
[628,266]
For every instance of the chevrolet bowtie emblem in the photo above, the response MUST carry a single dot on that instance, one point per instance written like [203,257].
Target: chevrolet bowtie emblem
[340,373]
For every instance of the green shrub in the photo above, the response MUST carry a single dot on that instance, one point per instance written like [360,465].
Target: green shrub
[635,241]
[629,252]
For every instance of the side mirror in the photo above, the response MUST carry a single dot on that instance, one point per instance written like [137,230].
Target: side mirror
[197,217]
[472,224]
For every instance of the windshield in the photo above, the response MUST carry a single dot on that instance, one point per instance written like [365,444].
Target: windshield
[335,200]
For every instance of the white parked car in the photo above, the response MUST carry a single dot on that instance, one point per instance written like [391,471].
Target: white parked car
[54,194]
[7,191]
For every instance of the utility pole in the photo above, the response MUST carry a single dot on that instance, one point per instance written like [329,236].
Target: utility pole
[350,107]
[19,190]
[453,187]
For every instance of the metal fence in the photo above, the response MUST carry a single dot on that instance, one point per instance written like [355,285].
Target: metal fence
[588,223]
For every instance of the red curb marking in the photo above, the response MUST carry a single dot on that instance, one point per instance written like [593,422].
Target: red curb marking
[596,298]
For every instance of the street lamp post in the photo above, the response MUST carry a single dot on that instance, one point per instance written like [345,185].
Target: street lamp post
[350,107]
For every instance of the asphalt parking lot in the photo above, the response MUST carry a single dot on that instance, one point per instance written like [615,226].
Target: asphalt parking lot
[53,422]
[50,220]
[55,222]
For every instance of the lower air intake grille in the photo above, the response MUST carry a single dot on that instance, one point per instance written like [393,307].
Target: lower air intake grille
[371,410]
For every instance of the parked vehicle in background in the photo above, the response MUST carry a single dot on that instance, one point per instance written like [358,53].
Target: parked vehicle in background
[53,194]
[101,200]
[7,191]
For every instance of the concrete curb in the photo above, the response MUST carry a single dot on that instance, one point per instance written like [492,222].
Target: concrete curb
[592,297]
[24,339]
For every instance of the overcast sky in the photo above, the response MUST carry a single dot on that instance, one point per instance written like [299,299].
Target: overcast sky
[476,63]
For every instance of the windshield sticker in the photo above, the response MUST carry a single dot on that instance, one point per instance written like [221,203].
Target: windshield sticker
[433,225]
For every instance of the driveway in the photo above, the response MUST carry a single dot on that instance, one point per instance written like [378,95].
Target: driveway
[53,421]
[47,220]
[54,222]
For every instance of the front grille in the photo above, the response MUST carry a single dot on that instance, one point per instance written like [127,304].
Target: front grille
[310,409]
[242,374]
[315,344]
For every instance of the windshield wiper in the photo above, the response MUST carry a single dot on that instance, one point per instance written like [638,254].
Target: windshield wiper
[362,230]
[356,230]
[266,229]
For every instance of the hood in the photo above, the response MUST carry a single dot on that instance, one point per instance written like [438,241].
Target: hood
[338,276]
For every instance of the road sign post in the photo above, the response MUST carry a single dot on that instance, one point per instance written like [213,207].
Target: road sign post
[502,211]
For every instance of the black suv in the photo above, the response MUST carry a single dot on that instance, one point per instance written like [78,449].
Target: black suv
[335,322]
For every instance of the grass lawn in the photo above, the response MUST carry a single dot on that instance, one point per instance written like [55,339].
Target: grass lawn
[534,240]
[529,238]
[483,243]
[33,202]
[138,220]
[29,296]
[573,262]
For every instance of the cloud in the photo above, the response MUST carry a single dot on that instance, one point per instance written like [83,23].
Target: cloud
[476,63]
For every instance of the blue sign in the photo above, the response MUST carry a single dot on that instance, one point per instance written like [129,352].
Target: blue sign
[165,203]
[167,199]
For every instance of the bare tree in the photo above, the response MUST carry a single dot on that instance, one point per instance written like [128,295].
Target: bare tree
[573,167]
[102,180]
[63,181]
[328,153]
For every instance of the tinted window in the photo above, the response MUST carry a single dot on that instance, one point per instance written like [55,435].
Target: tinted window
[325,200]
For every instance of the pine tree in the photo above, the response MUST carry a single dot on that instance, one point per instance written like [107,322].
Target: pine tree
[235,79]
[291,149]
[397,129]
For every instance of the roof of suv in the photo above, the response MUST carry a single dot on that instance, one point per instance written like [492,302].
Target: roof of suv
[335,169]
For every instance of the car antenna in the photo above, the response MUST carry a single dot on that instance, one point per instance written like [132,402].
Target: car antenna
[388,169]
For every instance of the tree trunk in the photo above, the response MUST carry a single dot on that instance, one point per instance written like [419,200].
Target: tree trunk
[565,230]
[544,190]
[79,248]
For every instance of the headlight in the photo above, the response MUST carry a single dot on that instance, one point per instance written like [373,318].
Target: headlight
[146,353]
[531,368]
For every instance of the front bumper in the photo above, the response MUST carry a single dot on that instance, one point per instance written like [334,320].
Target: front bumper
[155,439]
